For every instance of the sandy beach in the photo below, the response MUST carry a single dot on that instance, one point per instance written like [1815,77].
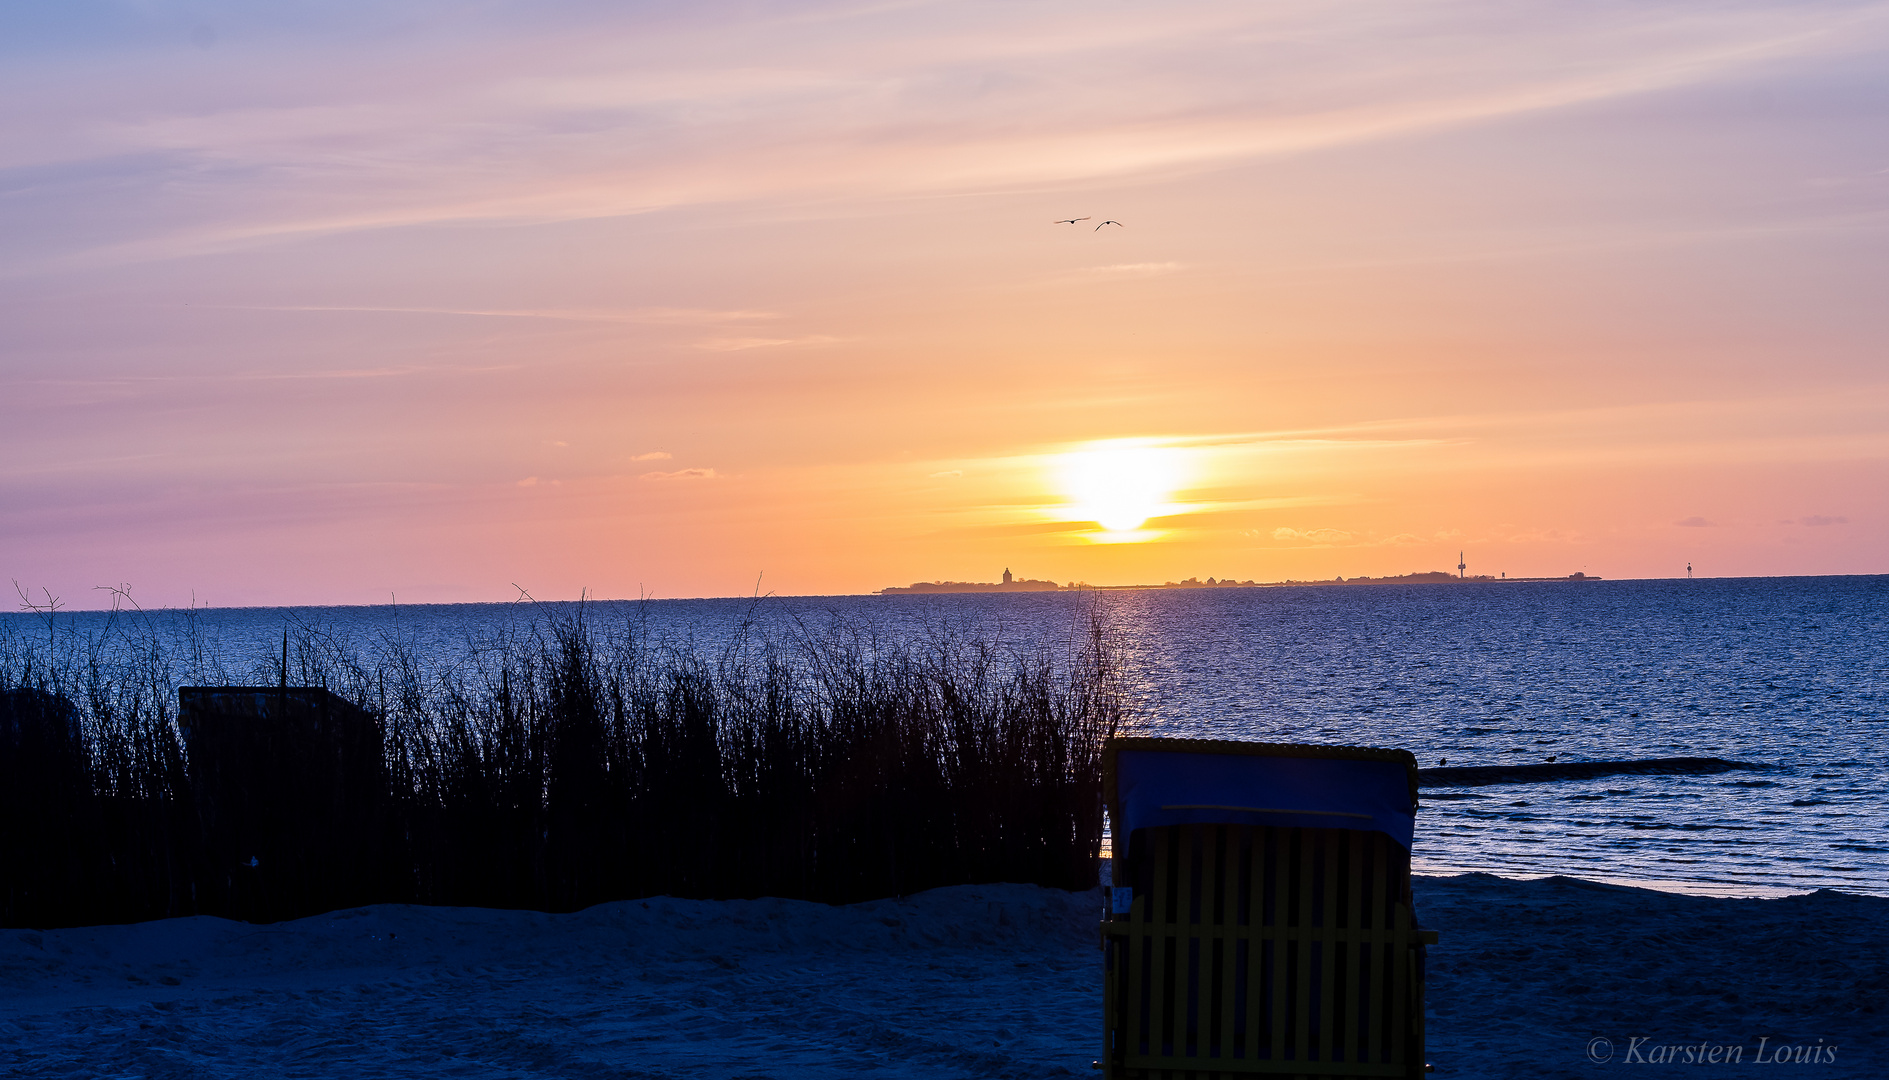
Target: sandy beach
[974,981]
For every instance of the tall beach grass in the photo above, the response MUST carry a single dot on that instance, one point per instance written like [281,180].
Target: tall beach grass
[573,756]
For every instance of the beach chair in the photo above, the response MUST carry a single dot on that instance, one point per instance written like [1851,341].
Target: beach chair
[1260,920]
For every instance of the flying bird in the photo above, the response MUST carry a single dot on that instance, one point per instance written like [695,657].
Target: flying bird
[1111,221]
[1069,221]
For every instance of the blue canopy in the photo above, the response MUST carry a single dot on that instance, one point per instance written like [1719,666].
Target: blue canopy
[1166,788]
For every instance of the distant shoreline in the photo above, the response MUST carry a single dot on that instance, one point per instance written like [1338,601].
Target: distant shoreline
[77,609]
[1434,577]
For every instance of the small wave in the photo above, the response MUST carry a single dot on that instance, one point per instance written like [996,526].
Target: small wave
[1481,775]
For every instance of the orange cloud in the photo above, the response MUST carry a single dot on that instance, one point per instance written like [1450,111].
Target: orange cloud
[682,474]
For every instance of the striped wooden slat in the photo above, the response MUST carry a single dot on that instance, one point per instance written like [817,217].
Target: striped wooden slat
[1180,973]
[1377,977]
[1351,952]
[1280,886]
[1299,933]
[1327,967]
[1144,958]
[1108,994]
[1160,908]
[1401,976]
[1228,946]
[1257,950]
[1263,951]
[1301,1047]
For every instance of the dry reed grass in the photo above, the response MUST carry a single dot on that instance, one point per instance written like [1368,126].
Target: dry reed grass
[577,760]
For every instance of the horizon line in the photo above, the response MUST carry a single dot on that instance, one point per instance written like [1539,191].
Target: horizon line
[880,594]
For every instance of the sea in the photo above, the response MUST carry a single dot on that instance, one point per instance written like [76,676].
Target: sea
[1787,675]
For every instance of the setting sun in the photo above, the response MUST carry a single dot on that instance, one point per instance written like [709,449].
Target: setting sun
[1120,487]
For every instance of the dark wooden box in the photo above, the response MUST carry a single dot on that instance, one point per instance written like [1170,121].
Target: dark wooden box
[290,790]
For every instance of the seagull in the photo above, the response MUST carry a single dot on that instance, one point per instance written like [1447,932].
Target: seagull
[1069,221]
[1111,221]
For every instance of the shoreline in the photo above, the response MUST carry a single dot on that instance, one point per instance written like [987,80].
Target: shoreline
[1702,890]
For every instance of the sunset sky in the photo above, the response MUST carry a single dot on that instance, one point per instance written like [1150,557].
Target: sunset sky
[327,302]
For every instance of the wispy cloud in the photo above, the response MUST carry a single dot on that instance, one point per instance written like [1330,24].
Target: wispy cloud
[1325,537]
[617,112]
[652,455]
[1815,520]
[1694,522]
[682,474]
[738,344]
[1143,269]
[637,316]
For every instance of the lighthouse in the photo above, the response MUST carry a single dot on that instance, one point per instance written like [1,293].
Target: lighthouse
[1460,566]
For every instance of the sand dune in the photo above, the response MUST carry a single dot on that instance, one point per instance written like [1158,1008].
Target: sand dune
[975,981]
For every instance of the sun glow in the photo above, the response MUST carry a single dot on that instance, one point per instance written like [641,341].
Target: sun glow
[1121,486]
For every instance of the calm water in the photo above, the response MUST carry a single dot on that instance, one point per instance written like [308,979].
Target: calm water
[1786,672]
[1789,673]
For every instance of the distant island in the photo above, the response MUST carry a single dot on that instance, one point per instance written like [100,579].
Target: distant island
[1008,584]
[1012,584]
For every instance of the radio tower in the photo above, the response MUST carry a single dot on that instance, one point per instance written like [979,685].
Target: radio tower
[1460,566]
